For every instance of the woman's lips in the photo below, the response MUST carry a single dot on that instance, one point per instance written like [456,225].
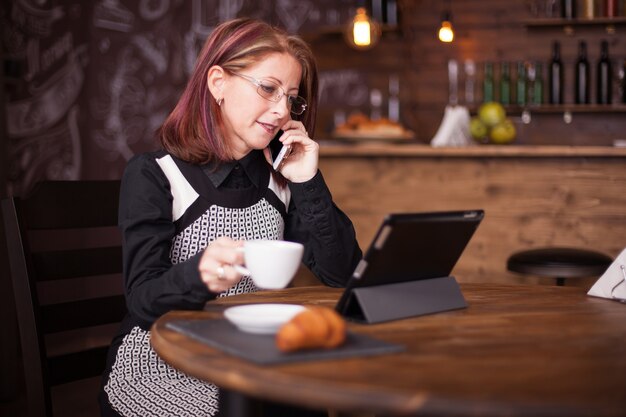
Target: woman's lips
[269,128]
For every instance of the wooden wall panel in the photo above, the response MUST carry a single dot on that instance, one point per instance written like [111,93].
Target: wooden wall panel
[529,202]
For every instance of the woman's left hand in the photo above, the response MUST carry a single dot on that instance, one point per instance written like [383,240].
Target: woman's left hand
[301,164]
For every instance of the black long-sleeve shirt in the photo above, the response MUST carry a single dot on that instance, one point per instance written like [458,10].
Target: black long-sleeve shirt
[162,197]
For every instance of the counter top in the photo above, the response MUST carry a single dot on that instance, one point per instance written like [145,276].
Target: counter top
[366,149]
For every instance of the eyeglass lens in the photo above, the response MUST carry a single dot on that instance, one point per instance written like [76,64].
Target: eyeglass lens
[274,92]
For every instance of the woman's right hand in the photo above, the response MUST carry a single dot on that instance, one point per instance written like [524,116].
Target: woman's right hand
[216,264]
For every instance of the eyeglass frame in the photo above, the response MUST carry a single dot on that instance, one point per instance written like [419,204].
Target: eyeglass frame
[275,98]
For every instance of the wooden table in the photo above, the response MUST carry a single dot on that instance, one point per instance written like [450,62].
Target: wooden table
[515,351]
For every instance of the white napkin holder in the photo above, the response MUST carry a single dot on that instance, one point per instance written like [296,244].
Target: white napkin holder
[612,284]
[454,129]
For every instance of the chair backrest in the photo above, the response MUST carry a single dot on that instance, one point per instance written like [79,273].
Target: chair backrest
[65,259]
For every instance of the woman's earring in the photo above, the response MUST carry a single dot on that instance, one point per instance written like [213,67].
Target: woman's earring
[219,101]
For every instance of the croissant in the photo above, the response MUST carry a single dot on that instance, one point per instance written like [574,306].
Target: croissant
[314,327]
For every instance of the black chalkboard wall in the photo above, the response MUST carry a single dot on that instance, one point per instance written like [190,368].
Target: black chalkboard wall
[87,83]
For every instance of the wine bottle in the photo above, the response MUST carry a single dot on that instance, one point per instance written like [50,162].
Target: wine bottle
[538,84]
[610,8]
[470,75]
[568,9]
[588,9]
[488,82]
[581,93]
[520,84]
[555,76]
[623,75]
[505,84]
[604,75]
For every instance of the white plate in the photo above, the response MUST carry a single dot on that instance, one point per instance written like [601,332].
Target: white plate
[261,318]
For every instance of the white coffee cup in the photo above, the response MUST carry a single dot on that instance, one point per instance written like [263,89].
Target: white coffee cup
[272,264]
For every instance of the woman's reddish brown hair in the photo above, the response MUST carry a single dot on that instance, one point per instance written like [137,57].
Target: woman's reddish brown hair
[192,132]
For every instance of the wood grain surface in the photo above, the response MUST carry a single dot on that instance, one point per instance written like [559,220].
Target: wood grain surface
[515,351]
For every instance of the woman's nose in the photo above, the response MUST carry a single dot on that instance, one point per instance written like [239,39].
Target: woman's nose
[281,106]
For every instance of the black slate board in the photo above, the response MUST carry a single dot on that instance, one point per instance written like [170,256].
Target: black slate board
[261,349]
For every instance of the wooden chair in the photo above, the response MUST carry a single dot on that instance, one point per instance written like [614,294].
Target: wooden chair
[63,244]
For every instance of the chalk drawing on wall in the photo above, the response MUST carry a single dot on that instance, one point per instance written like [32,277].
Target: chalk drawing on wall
[151,10]
[110,14]
[109,71]
[42,113]
[308,16]
[55,154]
[293,14]
[203,20]
[139,76]
[343,87]
[33,20]
[129,104]
[48,102]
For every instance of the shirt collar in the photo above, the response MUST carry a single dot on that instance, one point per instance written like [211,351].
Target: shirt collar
[252,164]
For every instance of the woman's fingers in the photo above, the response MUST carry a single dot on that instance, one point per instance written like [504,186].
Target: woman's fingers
[216,264]
[294,124]
[302,163]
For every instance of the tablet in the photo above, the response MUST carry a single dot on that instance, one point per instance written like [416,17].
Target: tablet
[413,246]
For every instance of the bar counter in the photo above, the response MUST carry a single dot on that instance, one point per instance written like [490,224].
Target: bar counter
[533,196]
[333,149]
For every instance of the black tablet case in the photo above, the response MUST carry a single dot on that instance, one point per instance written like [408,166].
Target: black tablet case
[406,270]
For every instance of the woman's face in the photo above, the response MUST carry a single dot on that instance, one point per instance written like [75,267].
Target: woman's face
[251,121]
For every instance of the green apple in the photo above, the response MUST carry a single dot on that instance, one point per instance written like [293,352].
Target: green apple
[503,132]
[478,129]
[491,113]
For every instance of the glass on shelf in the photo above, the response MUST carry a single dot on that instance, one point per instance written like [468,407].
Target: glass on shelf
[551,8]
[542,8]
[568,9]
[588,9]
[488,87]
[520,84]
[536,8]
[610,8]
[621,80]
[470,81]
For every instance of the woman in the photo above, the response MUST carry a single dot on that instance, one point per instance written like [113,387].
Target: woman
[185,210]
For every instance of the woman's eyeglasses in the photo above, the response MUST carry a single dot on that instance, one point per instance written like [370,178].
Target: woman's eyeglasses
[273,92]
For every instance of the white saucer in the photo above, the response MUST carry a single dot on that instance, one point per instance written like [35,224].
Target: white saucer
[261,318]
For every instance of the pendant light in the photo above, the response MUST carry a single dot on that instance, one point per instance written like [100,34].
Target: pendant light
[446,33]
[362,32]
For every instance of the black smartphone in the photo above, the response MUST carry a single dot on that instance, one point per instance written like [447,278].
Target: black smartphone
[278,151]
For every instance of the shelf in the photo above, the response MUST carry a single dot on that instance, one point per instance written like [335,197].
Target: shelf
[572,108]
[557,22]
[562,108]
[566,110]
[568,25]
[334,149]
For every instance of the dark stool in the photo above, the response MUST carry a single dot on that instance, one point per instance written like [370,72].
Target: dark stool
[560,263]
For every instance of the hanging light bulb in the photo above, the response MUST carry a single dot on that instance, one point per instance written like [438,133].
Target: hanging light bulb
[446,33]
[362,32]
